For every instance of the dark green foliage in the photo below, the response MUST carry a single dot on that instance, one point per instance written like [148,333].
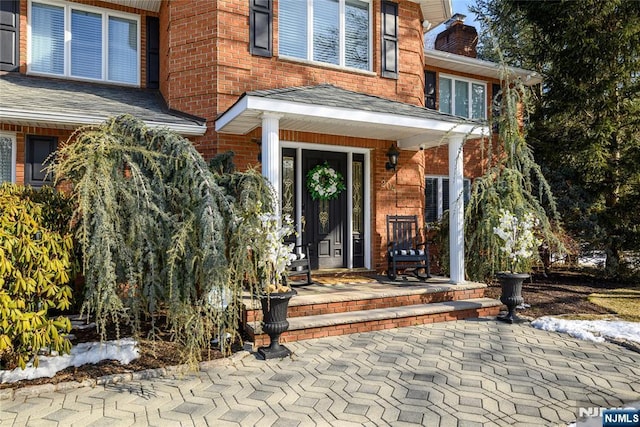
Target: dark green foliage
[586,131]
[151,225]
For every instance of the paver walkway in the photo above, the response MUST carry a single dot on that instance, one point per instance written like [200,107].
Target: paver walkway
[460,373]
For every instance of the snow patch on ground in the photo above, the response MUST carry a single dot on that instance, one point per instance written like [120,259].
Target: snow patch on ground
[590,330]
[124,351]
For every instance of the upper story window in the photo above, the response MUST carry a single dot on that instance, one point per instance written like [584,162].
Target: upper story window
[330,31]
[464,98]
[84,42]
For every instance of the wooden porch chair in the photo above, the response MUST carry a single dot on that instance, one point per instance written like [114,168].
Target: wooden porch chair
[300,266]
[404,248]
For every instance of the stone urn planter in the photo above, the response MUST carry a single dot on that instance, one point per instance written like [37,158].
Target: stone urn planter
[511,294]
[274,315]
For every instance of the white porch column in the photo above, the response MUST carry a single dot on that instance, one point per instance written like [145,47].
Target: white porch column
[271,163]
[456,209]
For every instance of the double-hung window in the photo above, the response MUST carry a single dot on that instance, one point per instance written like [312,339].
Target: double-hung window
[436,193]
[464,98]
[84,42]
[329,31]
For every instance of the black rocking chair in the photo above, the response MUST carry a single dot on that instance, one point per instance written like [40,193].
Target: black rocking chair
[299,267]
[403,246]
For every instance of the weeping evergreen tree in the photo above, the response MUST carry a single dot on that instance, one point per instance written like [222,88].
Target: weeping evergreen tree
[512,182]
[151,220]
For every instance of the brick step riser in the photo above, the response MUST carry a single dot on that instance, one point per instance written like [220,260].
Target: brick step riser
[376,325]
[372,304]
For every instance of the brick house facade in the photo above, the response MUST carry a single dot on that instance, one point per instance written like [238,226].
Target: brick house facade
[296,83]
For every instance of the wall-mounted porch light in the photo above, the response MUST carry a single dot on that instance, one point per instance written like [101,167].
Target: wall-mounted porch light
[393,155]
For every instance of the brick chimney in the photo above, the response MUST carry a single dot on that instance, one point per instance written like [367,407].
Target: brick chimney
[458,38]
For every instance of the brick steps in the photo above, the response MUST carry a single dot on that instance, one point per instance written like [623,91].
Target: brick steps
[318,312]
[326,325]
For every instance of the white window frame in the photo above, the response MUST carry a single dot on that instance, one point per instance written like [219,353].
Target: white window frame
[12,136]
[469,82]
[440,193]
[105,14]
[342,36]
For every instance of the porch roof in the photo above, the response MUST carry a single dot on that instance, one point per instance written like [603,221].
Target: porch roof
[328,109]
[68,104]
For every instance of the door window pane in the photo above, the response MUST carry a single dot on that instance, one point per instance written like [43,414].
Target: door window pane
[47,38]
[357,34]
[123,50]
[445,95]
[326,35]
[478,103]
[292,32]
[86,44]
[462,99]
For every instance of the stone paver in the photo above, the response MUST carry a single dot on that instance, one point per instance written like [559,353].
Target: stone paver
[465,373]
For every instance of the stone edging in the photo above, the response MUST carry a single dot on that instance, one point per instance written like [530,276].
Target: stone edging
[10,393]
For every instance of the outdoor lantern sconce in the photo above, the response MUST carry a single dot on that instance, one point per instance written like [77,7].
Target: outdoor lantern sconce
[393,155]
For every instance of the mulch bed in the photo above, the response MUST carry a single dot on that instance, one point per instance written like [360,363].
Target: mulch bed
[559,293]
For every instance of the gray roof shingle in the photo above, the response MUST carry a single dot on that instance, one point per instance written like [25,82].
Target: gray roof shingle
[329,95]
[44,95]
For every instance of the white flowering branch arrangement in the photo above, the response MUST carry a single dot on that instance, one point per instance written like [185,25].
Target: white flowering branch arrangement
[520,241]
[273,255]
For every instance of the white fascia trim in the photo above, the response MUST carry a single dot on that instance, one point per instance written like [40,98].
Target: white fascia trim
[529,77]
[65,119]
[261,104]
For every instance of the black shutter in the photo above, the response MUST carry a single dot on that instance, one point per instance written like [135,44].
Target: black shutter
[430,89]
[260,27]
[153,52]
[389,40]
[38,149]
[9,35]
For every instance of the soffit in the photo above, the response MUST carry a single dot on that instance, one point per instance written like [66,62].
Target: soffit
[435,11]
[465,64]
[150,5]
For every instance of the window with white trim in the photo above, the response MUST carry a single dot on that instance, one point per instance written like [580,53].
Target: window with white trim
[436,192]
[464,98]
[329,31]
[83,42]
[7,157]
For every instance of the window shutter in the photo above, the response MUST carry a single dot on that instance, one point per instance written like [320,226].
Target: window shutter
[153,52]
[261,27]
[389,40]
[9,35]
[430,89]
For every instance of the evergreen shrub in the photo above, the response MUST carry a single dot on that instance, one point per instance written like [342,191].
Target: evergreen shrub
[36,256]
